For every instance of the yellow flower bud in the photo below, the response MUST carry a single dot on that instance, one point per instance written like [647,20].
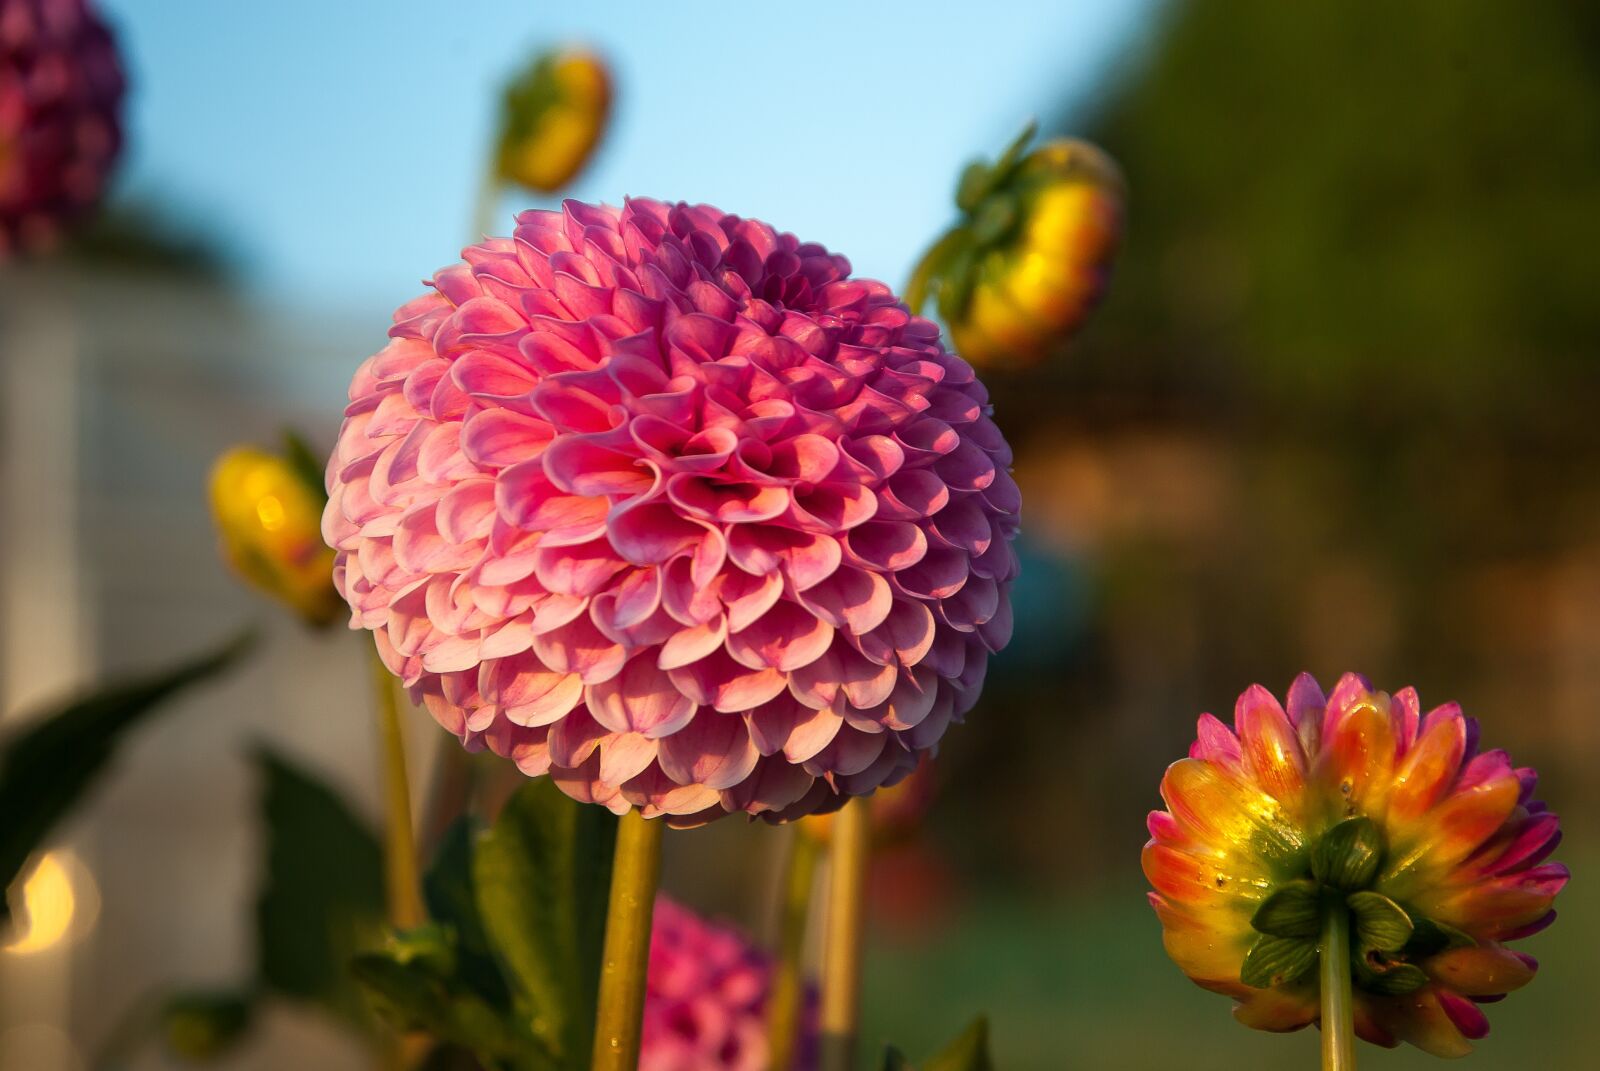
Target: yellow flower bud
[1018,276]
[553,117]
[268,512]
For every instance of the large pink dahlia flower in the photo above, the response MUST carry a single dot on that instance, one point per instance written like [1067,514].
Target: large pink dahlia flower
[706,996]
[663,503]
[60,95]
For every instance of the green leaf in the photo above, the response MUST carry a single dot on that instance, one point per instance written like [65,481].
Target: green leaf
[447,887]
[48,765]
[412,996]
[1294,910]
[1380,922]
[1275,961]
[542,876]
[895,1060]
[969,1052]
[202,1027]
[322,895]
[1347,855]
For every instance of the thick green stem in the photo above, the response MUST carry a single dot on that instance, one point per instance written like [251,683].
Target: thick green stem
[402,873]
[1338,1013]
[788,983]
[841,952]
[626,959]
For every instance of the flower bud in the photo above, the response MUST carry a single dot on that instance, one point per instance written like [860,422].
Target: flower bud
[203,1027]
[268,508]
[553,116]
[1017,277]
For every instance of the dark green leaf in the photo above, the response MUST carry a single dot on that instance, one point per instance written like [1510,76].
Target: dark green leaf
[202,1027]
[1347,855]
[1429,936]
[895,1060]
[447,887]
[48,765]
[1375,974]
[306,463]
[1380,923]
[322,895]
[542,876]
[969,1052]
[1275,961]
[1294,910]
[956,283]
[411,996]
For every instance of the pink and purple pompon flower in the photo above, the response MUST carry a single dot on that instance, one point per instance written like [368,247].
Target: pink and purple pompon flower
[706,999]
[1262,820]
[662,503]
[61,88]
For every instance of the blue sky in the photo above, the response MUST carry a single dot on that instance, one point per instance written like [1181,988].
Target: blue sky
[335,147]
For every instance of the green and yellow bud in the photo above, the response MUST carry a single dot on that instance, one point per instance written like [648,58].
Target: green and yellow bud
[1029,260]
[268,511]
[553,117]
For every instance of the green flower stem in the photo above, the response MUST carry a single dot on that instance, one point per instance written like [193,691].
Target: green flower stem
[841,955]
[788,983]
[401,870]
[1338,1013]
[626,958]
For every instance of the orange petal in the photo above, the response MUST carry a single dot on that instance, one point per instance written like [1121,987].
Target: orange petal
[1358,755]
[1430,767]
[1452,831]
[1279,1010]
[1484,971]
[1208,946]
[1233,817]
[1202,883]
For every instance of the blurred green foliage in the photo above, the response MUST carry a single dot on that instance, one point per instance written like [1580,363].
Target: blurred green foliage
[1337,412]
[1348,207]
[47,766]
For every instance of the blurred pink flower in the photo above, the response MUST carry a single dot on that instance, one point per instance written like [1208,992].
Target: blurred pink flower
[705,1000]
[663,503]
[60,97]
[1451,863]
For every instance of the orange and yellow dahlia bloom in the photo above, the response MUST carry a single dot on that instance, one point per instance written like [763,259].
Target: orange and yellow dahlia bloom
[1359,803]
[268,513]
[553,117]
[1016,278]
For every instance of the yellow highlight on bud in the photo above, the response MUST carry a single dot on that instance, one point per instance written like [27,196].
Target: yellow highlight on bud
[554,116]
[269,518]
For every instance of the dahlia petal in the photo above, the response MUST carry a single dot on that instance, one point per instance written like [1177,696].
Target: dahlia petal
[1222,811]
[501,438]
[578,647]
[690,645]
[1430,767]
[1270,747]
[640,699]
[1483,971]
[625,755]
[712,750]
[785,638]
